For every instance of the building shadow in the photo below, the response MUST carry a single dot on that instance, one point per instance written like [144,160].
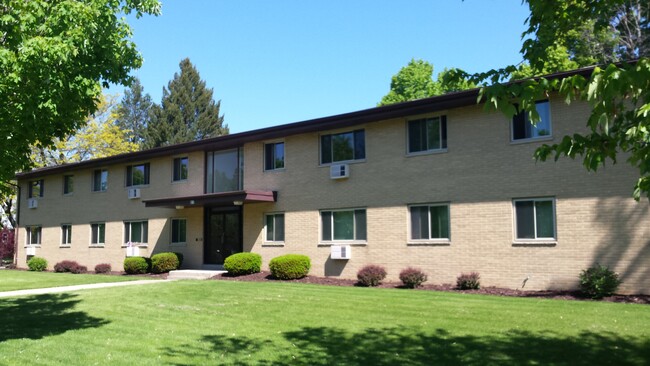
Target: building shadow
[35,317]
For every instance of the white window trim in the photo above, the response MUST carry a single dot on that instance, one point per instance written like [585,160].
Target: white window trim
[172,243]
[274,242]
[409,238]
[337,242]
[62,236]
[429,151]
[188,169]
[90,238]
[138,244]
[516,240]
[28,237]
[548,137]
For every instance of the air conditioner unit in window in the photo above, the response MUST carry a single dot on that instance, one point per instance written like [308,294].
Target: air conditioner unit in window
[339,171]
[134,193]
[30,251]
[132,251]
[341,252]
[32,203]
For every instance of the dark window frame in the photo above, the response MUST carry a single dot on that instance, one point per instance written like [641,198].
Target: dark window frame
[99,183]
[40,183]
[130,177]
[327,149]
[177,169]
[420,144]
[359,225]
[417,226]
[274,220]
[68,184]
[271,161]
[521,129]
[179,231]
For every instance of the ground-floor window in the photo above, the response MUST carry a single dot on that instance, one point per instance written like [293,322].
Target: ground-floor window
[429,222]
[136,232]
[33,235]
[179,231]
[97,233]
[534,218]
[66,234]
[275,227]
[343,225]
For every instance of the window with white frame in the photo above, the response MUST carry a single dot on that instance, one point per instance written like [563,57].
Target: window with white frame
[275,227]
[136,232]
[97,233]
[534,218]
[524,129]
[36,188]
[179,231]
[100,180]
[344,146]
[180,170]
[427,134]
[66,234]
[33,236]
[429,222]
[137,175]
[343,225]
[274,156]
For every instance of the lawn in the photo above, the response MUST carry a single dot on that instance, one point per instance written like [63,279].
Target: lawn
[11,280]
[247,323]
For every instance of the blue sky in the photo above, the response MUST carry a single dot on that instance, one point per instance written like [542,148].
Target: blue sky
[277,62]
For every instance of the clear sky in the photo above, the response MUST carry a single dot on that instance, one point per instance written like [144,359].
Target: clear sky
[283,61]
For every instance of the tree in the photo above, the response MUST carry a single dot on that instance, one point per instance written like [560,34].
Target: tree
[187,113]
[54,57]
[134,112]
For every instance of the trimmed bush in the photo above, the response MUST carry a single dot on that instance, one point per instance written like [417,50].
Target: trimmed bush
[37,264]
[468,281]
[599,281]
[412,277]
[371,275]
[79,269]
[103,268]
[290,266]
[164,262]
[66,266]
[243,264]
[180,257]
[136,265]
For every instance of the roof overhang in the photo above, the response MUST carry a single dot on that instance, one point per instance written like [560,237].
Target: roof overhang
[236,198]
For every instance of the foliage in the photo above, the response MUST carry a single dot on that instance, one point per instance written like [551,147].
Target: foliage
[7,243]
[599,281]
[371,275]
[290,266]
[54,58]
[134,113]
[103,268]
[164,262]
[412,277]
[180,257]
[66,266]
[243,263]
[188,111]
[136,265]
[37,264]
[468,281]
[8,205]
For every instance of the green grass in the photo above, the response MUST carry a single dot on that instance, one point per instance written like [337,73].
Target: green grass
[241,323]
[11,280]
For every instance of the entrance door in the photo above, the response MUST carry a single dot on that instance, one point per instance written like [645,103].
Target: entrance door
[223,234]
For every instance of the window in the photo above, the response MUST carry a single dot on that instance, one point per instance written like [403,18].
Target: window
[36,188]
[344,225]
[523,129]
[136,232]
[429,222]
[98,233]
[535,218]
[274,156]
[100,180]
[137,175]
[66,234]
[68,184]
[225,171]
[179,231]
[33,235]
[180,169]
[275,227]
[427,134]
[343,147]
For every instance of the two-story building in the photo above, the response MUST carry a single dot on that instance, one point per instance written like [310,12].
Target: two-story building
[436,183]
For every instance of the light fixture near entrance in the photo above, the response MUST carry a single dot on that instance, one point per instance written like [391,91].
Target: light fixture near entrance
[237,203]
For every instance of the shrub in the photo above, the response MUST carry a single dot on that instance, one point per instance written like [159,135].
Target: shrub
[243,263]
[290,266]
[37,264]
[79,269]
[371,275]
[103,268]
[135,265]
[180,257]
[412,277]
[599,281]
[66,266]
[468,281]
[164,262]
[6,243]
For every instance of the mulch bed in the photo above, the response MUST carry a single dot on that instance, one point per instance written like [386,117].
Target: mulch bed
[546,294]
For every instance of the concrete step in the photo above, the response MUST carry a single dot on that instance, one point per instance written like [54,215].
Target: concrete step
[192,274]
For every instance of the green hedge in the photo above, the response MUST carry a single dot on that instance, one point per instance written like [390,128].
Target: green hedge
[243,263]
[164,262]
[136,265]
[37,264]
[290,266]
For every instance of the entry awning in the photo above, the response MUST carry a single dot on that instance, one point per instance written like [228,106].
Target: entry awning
[235,198]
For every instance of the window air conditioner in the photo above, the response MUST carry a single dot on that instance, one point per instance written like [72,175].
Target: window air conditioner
[30,251]
[339,171]
[341,252]
[134,193]
[32,203]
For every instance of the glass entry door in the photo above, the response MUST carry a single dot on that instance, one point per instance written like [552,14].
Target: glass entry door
[223,235]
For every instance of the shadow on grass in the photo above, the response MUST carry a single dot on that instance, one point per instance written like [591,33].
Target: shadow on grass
[35,317]
[403,346]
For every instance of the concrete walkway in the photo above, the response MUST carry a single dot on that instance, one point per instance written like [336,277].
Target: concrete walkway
[53,290]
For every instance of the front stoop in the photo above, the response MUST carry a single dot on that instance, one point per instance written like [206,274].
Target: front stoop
[192,274]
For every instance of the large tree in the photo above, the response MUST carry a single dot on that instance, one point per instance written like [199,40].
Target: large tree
[54,58]
[188,111]
[134,112]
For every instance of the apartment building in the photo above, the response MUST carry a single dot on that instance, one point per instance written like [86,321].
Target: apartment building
[438,184]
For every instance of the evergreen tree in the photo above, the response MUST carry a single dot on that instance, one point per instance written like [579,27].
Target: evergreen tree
[188,112]
[134,113]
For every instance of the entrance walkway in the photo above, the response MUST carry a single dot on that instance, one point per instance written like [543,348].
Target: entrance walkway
[53,290]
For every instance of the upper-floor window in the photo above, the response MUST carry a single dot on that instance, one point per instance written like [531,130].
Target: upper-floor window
[100,180]
[275,227]
[68,184]
[344,146]
[33,235]
[66,234]
[523,128]
[534,218]
[427,134]
[224,171]
[179,231]
[343,225]
[274,156]
[429,222]
[36,188]
[136,232]
[137,175]
[180,169]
